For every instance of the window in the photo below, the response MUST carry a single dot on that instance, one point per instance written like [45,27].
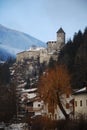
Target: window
[75,103]
[81,103]
[86,102]
[55,116]
[38,105]
[30,104]
[50,116]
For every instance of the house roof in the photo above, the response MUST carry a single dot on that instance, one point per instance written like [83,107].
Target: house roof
[60,31]
[29,90]
[80,91]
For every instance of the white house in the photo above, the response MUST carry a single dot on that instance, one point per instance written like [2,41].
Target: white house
[67,102]
[31,102]
[80,102]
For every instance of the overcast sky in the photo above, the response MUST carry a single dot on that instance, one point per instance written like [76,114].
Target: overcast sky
[42,18]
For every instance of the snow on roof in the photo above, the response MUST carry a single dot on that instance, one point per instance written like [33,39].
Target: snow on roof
[33,95]
[28,96]
[36,48]
[17,126]
[29,90]
[81,90]
[22,85]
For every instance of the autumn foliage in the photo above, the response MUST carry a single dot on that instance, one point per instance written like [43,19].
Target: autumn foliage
[54,83]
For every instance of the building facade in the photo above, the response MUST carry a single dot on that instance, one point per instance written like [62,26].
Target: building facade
[44,54]
[80,103]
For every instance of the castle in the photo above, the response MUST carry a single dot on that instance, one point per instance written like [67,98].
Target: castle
[44,54]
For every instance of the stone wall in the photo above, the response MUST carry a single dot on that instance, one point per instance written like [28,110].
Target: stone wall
[27,55]
[44,54]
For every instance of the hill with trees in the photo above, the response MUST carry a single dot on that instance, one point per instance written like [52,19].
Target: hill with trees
[74,55]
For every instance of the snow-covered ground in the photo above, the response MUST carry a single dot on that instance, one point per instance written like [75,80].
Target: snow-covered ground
[19,126]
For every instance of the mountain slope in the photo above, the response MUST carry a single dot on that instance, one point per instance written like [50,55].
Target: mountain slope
[14,41]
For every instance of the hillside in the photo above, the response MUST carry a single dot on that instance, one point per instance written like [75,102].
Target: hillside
[14,41]
[74,56]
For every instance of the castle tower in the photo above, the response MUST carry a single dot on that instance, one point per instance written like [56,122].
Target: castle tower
[57,45]
[60,38]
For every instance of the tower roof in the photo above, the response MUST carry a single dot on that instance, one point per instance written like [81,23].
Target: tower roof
[60,31]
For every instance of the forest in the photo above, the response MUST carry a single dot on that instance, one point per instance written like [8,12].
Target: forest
[74,56]
[7,92]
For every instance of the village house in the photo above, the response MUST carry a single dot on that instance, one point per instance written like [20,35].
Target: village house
[32,103]
[80,103]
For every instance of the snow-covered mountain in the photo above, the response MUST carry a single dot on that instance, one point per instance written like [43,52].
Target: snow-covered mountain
[12,42]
